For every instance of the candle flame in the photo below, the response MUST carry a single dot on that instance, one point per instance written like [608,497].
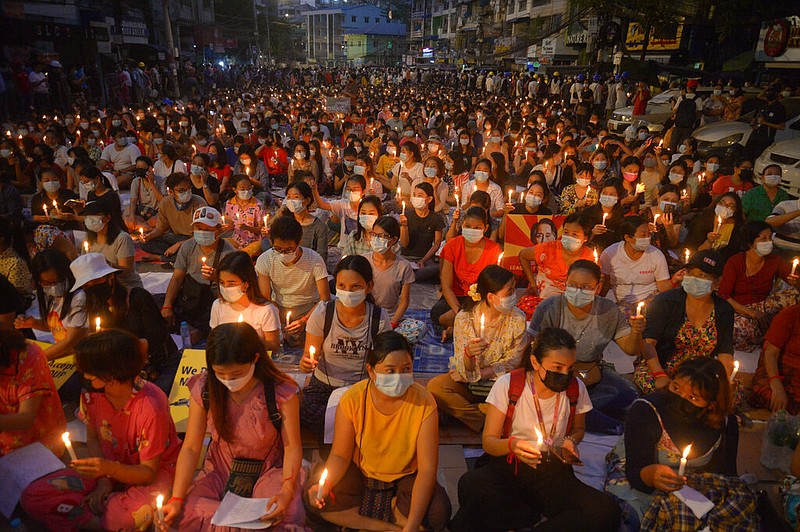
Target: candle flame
[65,438]
[159,501]
[241,318]
[539,437]
[686,451]
[323,477]
[500,258]
[311,352]
[736,365]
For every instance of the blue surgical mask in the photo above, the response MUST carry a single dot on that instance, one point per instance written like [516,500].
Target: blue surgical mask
[379,244]
[696,287]
[507,304]
[205,238]
[579,297]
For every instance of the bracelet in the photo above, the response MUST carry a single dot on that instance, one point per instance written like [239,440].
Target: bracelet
[166,307]
[658,374]
[466,354]
[775,377]
[512,438]
[572,439]
[173,499]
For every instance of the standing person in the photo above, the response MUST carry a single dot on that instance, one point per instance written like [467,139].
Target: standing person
[133,446]
[684,117]
[766,125]
[640,100]
[758,203]
[384,446]
[231,400]
[522,480]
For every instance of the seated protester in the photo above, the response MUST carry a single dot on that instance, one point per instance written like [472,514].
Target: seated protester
[748,282]
[194,284]
[344,211]
[42,209]
[776,383]
[667,219]
[653,172]
[427,225]
[358,242]
[524,480]
[462,259]
[116,246]
[240,295]
[480,199]
[49,237]
[11,305]
[759,202]
[299,198]
[634,270]
[677,175]
[218,165]
[579,195]
[344,171]
[254,169]
[481,182]
[392,274]
[169,163]
[14,259]
[407,170]
[740,181]
[340,331]
[99,189]
[364,167]
[553,258]
[382,467]
[204,184]
[230,400]
[693,412]
[705,231]
[119,158]
[174,225]
[301,162]
[293,277]
[434,171]
[542,231]
[245,216]
[129,308]
[605,217]
[686,323]
[62,311]
[30,409]
[596,321]
[481,353]
[536,199]
[147,192]
[631,200]
[786,225]
[133,447]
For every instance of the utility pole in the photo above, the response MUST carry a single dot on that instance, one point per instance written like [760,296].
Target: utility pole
[173,68]
[266,32]
[255,31]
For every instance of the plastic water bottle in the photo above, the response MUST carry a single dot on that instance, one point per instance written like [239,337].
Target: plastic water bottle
[186,339]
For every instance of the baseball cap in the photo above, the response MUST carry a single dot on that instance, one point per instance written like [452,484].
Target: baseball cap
[707,260]
[692,84]
[207,215]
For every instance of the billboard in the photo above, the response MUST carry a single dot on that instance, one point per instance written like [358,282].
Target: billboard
[663,38]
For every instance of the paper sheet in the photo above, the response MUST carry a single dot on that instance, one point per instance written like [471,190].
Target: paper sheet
[696,501]
[235,511]
[20,468]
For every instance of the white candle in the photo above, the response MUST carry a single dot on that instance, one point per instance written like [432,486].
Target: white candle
[686,255]
[85,247]
[266,219]
[539,439]
[241,318]
[500,258]
[55,206]
[160,507]
[68,445]
[483,324]
[655,219]
[735,369]
[719,224]
[521,197]
[640,188]
[686,452]
[404,208]
[311,352]
[141,233]
[605,216]
[639,308]
[203,260]
[322,479]
[509,195]
[288,317]
[45,209]
[595,257]
[457,204]
[795,262]
[97,324]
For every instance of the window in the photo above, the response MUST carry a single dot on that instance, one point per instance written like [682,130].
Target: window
[366,20]
[352,19]
[377,20]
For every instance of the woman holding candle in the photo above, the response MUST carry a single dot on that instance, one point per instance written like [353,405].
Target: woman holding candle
[580,194]
[364,167]
[533,201]
[370,208]
[116,246]
[301,162]
[483,182]
[382,467]
[407,170]
[250,166]
[131,439]
[244,214]
[392,274]
[524,479]
[344,211]
[483,350]
[147,191]
[605,217]
[718,227]
[427,226]
[694,414]
[42,207]
[299,198]
[204,184]
[666,218]
[434,171]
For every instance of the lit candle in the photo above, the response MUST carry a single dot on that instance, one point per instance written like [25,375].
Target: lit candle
[686,255]
[266,219]
[398,192]
[719,224]
[795,262]
[97,324]
[509,195]
[605,216]
[458,205]
[44,205]
[322,479]
[160,507]
[539,439]
[685,193]
[735,369]
[68,445]
[686,452]
[55,206]
[371,182]
[521,197]
[311,352]
[639,308]
[640,188]
[240,319]
[483,324]
[404,209]
[223,220]
[500,258]
[655,218]
[595,257]
[85,247]
[288,317]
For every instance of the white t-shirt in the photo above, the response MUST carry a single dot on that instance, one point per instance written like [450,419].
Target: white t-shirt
[294,285]
[525,417]
[348,218]
[633,280]
[263,318]
[162,170]
[120,158]
[494,191]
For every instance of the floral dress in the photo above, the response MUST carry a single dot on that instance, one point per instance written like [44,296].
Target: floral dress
[251,214]
[569,197]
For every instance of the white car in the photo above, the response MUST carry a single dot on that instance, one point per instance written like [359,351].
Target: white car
[786,154]
[659,109]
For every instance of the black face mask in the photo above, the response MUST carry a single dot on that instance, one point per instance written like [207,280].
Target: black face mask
[100,293]
[746,174]
[557,382]
[685,409]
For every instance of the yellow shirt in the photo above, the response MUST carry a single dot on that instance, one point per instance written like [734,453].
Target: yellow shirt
[386,446]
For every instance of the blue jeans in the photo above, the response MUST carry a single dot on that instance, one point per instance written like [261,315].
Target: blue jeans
[611,398]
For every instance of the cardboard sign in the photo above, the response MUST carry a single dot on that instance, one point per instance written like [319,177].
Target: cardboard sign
[337,105]
[192,362]
[518,237]
[61,368]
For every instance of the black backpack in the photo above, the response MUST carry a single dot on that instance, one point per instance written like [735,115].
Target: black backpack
[686,114]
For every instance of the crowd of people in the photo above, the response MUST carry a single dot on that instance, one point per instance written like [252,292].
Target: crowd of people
[291,226]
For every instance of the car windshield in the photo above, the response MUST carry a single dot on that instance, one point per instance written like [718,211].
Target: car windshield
[665,97]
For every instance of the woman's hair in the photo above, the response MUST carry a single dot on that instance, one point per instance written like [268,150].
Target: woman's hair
[668,187]
[481,198]
[302,144]
[385,343]
[111,354]
[286,228]
[10,341]
[546,221]
[427,188]
[413,148]
[236,178]
[50,259]
[630,224]
[222,160]
[358,264]
[580,219]
[750,232]
[479,213]
[584,168]
[545,190]
[112,227]
[373,200]
[235,343]
[708,375]
[170,151]
[499,165]
[548,340]
[176,178]
[359,180]
[586,266]
[491,280]
[302,188]
[439,164]
[239,264]
[390,225]
[738,216]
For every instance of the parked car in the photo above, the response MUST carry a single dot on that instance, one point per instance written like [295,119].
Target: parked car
[659,109]
[786,154]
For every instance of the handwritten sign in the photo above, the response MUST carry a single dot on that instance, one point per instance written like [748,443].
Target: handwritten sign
[61,368]
[337,105]
[192,363]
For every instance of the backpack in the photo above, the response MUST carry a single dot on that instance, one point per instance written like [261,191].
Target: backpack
[686,113]
[515,389]
[375,322]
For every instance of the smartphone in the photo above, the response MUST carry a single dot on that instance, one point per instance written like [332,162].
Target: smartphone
[566,456]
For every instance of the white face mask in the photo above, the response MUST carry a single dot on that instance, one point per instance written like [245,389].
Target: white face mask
[763,248]
[94,223]
[772,180]
[463,142]
[641,244]
[359,170]
[394,384]
[231,294]
[583,182]
[723,212]
[367,221]
[51,186]
[355,197]
[430,171]
[532,201]
[481,176]
[471,235]
[295,205]
[675,177]
[234,385]
[55,290]
[579,297]
[379,244]
[608,201]
[418,203]
[712,167]
[287,258]
[507,304]
[570,243]
[244,194]
[351,299]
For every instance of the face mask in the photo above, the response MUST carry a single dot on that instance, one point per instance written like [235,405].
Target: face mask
[314,129]
[675,178]
[94,223]
[718,92]
[641,244]
[433,146]
[712,167]
[231,294]
[56,290]
[481,176]
[471,235]
[463,142]
[116,123]
[351,299]
[274,126]
[507,304]
[244,194]
[684,409]
[430,171]
[122,142]
[696,287]
[5,154]
[732,92]
[532,201]
[89,187]
[630,176]
[608,201]
[649,162]
[131,140]
[234,385]
[409,133]
[496,140]
[287,258]
[418,203]
[300,155]
[90,141]
[583,182]
[600,165]
[404,157]
[205,238]
[570,243]
[349,164]
[642,135]
[391,151]
[99,292]
[379,244]
[367,221]
[295,205]
[746,174]
[355,196]
[579,297]
[772,180]
[557,382]
[245,162]
[313,153]
[51,186]
[84,125]
[723,212]
[184,123]
[682,148]
[763,248]
[393,384]
[358,169]
[196,170]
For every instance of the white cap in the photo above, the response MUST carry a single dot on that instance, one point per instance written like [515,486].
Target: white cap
[207,215]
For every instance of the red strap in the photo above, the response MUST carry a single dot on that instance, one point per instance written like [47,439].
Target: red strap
[515,389]
[573,392]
